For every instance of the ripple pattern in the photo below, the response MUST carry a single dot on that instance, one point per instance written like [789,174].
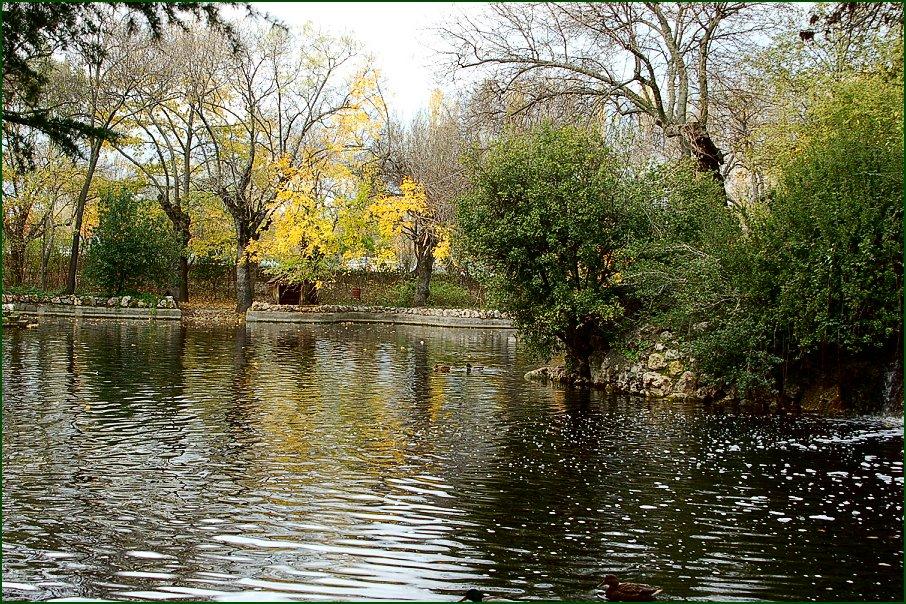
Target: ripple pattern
[155,462]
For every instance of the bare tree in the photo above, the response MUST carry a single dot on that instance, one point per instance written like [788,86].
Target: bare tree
[108,61]
[165,139]
[648,60]
[278,95]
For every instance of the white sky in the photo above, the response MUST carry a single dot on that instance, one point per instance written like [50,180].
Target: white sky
[397,34]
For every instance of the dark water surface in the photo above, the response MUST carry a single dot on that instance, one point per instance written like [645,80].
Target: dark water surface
[147,461]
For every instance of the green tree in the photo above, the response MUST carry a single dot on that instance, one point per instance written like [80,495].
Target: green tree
[133,247]
[550,217]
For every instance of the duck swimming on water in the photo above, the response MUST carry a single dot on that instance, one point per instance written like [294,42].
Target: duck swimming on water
[618,591]
[476,595]
[439,368]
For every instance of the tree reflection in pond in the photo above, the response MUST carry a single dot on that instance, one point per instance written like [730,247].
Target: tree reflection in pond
[330,462]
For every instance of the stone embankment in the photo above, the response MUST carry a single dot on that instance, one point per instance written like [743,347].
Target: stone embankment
[121,307]
[657,367]
[334,313]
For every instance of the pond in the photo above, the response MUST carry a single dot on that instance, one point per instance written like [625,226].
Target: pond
[151,461]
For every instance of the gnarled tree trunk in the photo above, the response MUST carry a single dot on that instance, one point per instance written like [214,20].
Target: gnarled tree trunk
[579,346]
[423,269]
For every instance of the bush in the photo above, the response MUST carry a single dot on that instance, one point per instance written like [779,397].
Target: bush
[815,279]
[551,215]
[133,246]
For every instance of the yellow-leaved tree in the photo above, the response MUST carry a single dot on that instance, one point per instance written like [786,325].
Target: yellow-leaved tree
[423,177]
[319,217]
[273,135]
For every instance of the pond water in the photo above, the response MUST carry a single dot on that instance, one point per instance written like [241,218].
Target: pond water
[152,461]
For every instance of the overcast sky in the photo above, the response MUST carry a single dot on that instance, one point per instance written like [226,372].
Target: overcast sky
[397,34]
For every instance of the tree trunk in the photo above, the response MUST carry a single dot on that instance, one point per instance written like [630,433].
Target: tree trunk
[423,277]
[699,143]
[245,279]
[578,364]
[79,212]
[578,352]
[46,248]
[184,228]
[17,261]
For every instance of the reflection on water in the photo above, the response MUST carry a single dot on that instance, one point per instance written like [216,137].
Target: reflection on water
[149,461]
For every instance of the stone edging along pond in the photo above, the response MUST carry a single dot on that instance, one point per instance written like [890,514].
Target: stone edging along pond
[92,307]
[261,312]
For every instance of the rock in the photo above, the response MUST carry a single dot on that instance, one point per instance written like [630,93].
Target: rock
[656,361]
[127,301]
[167,302]
[686,383]
[666,336]
[671,355]
[656,384]
[708,393]
[659,346]
[141,304]
[674,368]
[700,327]
[558,374]
[541,374]
[113,301]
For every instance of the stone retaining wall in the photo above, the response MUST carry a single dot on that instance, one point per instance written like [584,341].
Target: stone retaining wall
[330,313]
[658,368]
[93,307]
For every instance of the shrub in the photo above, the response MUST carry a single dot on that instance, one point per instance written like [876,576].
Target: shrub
[133,246]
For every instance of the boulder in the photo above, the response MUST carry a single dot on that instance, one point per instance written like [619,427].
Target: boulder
[708,393]
[656,361]
[674,368]
[167,302]
[686,383]
[127,301]
[671,355]
[656,384]
[542,374]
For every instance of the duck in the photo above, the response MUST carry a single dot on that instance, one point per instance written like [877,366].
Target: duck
[470,368]
[476,595]
[618,591]
[439,368]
